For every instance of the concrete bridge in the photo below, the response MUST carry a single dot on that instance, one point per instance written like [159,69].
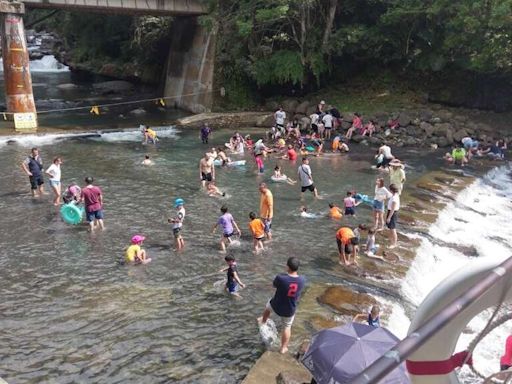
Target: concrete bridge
[144,7]
[189,78]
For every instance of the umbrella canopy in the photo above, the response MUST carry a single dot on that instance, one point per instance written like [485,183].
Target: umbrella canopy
[338,354]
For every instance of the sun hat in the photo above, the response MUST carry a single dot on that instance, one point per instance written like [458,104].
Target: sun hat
[137,239]
[178,202]
[322,102]
[395,163]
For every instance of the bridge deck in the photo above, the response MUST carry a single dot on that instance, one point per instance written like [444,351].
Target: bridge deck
[146,7]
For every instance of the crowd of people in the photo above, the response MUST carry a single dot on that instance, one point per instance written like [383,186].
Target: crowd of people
[285,140]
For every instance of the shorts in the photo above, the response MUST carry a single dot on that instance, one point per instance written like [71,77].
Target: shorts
[36,181]
[347,247]
[469,144]
[54,183]
[504,367]
[228,235]
[206,176]
[392,221]
[287,321]
[232,287]
[177,233]
[378,205]
[314,127]
[259,238]
[98,215]
[308,188]
[328,128]
[350,211]
[268,225]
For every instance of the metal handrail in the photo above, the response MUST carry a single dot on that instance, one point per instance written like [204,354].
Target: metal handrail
[395,356]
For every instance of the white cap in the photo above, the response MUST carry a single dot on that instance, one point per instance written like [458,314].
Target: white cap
[322,102]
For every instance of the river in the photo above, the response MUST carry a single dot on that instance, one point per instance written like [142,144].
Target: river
[71,313]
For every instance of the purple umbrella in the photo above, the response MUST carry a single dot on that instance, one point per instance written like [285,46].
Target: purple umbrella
[336,355]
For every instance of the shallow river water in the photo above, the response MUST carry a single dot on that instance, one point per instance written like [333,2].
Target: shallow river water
[69,312]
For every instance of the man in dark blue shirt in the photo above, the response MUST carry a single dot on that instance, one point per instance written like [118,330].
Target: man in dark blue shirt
[284,303]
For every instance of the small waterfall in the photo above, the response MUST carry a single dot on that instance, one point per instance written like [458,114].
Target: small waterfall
[47,64]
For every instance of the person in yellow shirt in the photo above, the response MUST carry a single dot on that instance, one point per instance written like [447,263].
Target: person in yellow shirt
[266,209]
[134,253]
[257,228]
[149,135]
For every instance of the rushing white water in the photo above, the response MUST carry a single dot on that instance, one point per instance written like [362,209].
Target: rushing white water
[125,135]
[478,219]
[47,64]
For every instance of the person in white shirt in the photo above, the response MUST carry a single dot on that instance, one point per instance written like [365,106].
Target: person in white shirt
[381,195]
[280,116]
[314,122]
[53,172]
[328,122]
[306,178]
[386,156]
[392,215]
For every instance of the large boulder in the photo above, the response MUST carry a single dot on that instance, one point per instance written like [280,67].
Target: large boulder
[404,119]
[348,117]
[345,301]
[425,115]
[449,135]
[346,124]
[265,121]
[442,142]
[302,108]
[293,377]
[358,138]
[290,106]
[440,129]
[304,123]
[460,134]
[272,105]
[310,110]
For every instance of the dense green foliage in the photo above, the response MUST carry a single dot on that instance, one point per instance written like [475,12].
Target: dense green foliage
[306,42]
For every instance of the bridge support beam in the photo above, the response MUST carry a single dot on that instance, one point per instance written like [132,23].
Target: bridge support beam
[190,67]
[19,96]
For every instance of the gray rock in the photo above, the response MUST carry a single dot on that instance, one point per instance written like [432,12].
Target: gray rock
[449,135]
[346,124]
[435,120]
[302,108]
[292,377]
[305,123]
[425,115]
[440,129]
[310,110]
[290,106]
[427,128]
[442,142]
[404,120]
[410,141]
[458,135]
[348,117]
[357,138]
[271,105]
[265,121]
[375,140]
[115,86]
[138,112]
[67,86]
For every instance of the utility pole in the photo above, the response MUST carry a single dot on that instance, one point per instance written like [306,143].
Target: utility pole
[19,96]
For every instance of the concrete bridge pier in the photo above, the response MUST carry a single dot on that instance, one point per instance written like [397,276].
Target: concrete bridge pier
[18,81]
[190,66]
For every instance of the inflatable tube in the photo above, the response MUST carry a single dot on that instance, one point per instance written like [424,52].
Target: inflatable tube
[310,148]
[441,346]
[364,198]
[72,214]
[281,179]
[238,163]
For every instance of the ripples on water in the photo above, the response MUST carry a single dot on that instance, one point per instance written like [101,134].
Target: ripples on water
[70,313]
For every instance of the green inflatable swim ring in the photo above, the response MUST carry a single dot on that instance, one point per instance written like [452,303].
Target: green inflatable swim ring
[72,214]
[310,149]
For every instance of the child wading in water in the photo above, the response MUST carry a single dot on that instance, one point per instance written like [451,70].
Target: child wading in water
[278,175]
[372,318]
[177,223]
[228,225]
[257,228]
[233,283]
[350,204]
[335,211]
[134,253]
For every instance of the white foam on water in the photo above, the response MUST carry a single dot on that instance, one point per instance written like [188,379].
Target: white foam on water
[269,334]
[47,64]
[479,219]
[125,135]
